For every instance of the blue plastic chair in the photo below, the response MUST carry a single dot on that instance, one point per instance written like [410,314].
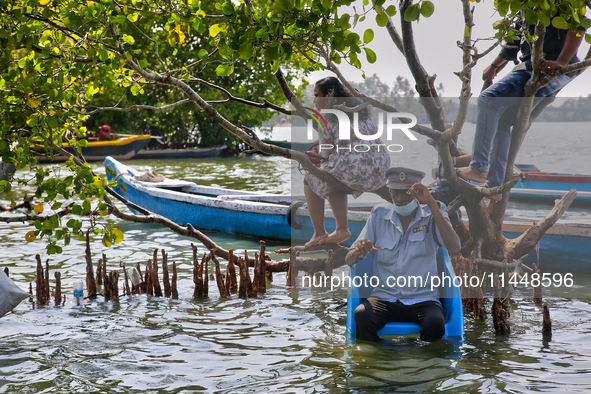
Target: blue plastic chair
[451,301]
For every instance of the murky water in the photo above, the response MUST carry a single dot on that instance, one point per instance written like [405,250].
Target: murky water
[288,340]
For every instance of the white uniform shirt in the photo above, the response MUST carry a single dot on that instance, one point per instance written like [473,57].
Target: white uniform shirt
[410,258]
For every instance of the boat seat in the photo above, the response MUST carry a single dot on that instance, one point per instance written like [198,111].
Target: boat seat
[450,298]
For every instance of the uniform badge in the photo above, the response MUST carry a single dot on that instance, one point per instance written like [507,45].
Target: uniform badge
[417,229]
[402,176]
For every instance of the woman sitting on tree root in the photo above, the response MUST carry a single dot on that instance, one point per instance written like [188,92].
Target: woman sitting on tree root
[362,170]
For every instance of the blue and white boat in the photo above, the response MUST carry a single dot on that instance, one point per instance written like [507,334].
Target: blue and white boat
[565,247]
[261,215]
[536,185]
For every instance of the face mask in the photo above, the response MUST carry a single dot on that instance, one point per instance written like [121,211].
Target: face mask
[407,209]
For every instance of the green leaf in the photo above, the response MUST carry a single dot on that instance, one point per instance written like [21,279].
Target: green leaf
[106,241]
[368,36]
[246,51]
[117,235]
[382,19]
[412,13]
[544,19]
[531,17]
[391,10]
[203,54]
[586,23]
[221,70]
[129,39]
[588,38]
[228,8]
[371,55]
[515,6]
[503,8]
[216,29]
[427,9]
[559,23]
[344,21]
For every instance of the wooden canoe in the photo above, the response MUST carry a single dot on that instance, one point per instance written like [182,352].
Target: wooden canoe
[565,247]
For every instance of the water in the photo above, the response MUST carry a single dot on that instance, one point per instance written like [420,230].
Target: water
[289,340]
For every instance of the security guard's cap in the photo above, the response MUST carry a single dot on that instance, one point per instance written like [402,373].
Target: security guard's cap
[403,178]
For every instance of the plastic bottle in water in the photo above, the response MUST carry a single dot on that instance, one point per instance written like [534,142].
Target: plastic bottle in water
[78,291]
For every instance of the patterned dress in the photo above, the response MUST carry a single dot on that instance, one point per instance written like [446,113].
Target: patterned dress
[362,170]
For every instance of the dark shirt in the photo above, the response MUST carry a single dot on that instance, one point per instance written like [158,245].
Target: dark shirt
[554,40]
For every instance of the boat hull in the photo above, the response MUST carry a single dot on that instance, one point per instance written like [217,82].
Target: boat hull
[189,153]
[121,149]
[564,247]
[547,186]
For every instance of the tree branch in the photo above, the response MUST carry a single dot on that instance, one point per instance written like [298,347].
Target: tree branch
[265,104]
[139,106]
[26,217]
[156,50]
[290,95]
[528,240]
[429,99]
[392,30]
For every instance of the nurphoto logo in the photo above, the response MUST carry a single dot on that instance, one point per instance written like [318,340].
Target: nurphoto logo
[345,130]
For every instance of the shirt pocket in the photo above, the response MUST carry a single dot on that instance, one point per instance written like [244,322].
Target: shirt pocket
[386,249]
[418,243]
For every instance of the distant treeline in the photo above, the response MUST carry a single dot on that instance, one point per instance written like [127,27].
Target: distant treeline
[400,93]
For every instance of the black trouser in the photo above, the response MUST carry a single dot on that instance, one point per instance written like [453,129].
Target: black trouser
[373,314]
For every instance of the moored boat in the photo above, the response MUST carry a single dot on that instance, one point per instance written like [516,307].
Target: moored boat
[536,185]
[188,153]
[121,149]
[564,247]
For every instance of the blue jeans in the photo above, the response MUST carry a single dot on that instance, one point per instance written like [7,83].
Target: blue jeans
[497,110]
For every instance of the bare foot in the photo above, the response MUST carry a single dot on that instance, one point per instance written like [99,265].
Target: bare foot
[316,239]
[337,237]
[471,174]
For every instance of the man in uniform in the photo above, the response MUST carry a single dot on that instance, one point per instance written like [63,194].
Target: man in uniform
[405,245]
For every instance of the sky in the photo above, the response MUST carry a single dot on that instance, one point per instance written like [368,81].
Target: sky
[436,39]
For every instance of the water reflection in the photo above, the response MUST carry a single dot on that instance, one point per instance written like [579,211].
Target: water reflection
[289,340]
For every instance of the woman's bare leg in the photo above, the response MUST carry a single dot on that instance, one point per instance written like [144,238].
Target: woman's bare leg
[316,209]
[339,204]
